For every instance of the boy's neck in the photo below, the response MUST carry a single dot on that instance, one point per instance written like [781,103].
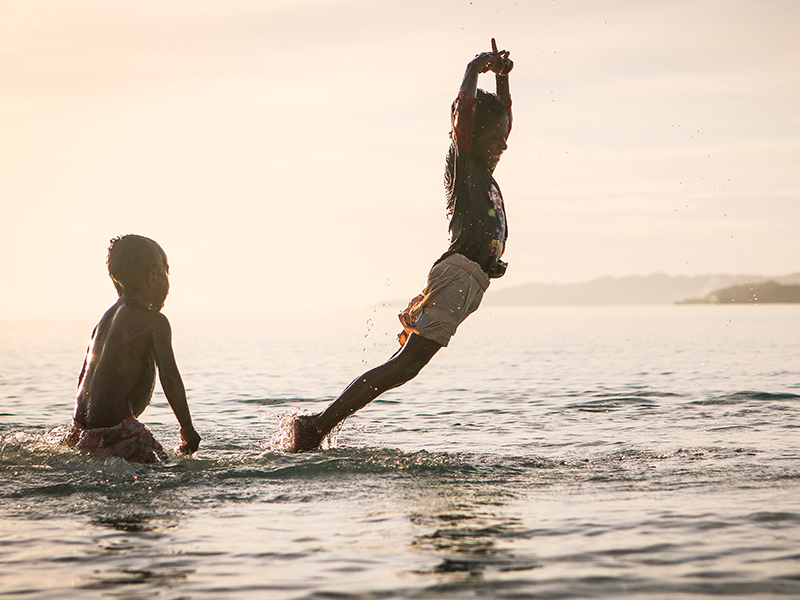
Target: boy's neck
[136,300]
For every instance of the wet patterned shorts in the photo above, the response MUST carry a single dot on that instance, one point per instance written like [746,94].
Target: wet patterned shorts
[454,291]
[129,440]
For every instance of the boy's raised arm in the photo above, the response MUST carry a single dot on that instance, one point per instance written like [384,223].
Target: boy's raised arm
[501,74]
[501,81]
[172,383]
[463,108]
[482,63]
[496,61]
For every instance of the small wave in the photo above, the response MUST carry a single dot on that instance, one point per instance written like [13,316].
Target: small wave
[613,403]
[644,398]
[274,401]
[748,396]
[38,453]
[363,461]
[779,519]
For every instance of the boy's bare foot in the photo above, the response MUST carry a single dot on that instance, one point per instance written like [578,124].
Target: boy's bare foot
[305,436]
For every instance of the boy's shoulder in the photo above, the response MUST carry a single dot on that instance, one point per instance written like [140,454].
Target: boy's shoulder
[134,317]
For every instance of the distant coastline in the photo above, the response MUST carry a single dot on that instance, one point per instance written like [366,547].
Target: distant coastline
[653,289]
[769,292]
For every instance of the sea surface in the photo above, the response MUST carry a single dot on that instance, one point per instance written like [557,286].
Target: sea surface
[619,452]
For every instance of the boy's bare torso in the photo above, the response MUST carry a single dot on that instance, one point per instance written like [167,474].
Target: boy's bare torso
[119,371]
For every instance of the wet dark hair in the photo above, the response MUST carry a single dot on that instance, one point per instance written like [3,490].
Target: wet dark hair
[130,259]
[488,108]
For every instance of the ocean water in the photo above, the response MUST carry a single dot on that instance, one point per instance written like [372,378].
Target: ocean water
[626,452]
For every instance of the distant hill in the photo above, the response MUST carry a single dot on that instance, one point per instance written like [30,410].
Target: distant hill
[652,289]
[769,292]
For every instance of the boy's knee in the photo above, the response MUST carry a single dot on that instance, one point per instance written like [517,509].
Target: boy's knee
[409,362]
[409,368]
[409,371]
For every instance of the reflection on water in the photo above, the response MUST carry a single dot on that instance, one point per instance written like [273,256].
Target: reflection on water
[131,546]
[132,523]
[150,579]
[466,529]
[473,543]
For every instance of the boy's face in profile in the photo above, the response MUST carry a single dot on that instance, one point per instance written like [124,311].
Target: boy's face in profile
[489,143]
[158,288]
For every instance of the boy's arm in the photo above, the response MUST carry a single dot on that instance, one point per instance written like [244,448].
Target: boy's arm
[501,71]
[463,110]
[172,383]
[503,91]
[505,96]
[501,81]
[480,64]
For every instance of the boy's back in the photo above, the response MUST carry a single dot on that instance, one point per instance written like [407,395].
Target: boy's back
[119,372]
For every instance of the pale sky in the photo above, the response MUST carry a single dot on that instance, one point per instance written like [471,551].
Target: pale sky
[290,154]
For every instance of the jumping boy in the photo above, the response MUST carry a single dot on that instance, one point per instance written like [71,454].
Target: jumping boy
[480,126]
[119,371]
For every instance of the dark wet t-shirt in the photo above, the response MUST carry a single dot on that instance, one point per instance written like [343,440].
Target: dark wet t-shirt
[478,227]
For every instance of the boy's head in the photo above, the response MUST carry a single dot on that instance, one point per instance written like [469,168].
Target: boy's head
[488,107]
[490,131]
[132,259]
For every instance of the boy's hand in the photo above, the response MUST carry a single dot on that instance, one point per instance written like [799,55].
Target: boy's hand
[190,442]
[496,61]
[506,64]
[486,61]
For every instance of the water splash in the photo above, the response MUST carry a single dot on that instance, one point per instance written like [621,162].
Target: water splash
[30,442]
[283,439]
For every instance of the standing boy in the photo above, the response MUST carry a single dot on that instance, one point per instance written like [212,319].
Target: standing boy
[118,375]
[480,126]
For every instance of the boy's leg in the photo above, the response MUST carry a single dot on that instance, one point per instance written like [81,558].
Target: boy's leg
[401,368]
